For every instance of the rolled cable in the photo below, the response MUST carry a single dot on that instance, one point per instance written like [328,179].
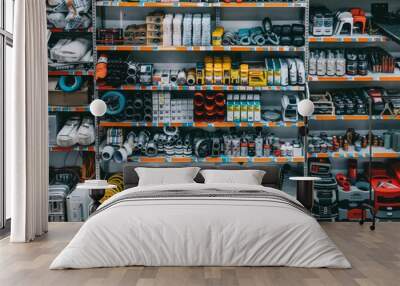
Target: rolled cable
[228,39]
[244,37]
[257,37]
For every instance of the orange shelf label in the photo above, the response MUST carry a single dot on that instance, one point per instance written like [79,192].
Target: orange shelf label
[239,160]
[391,117]
[176,124]
[201,124]
[152,159]
[385,155]
[325,117]
[213,160]
[363,78]
[281,159]
[389,78]
[355,117]
[224,124]
[262,160]
[298,159]
[181,160]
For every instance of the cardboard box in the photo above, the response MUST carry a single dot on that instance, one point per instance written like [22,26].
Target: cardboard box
[59,98]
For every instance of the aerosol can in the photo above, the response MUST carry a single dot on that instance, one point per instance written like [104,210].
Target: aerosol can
[244,151]
[251,147]
[228,145]
[236,147]
[259,145]
[267,149]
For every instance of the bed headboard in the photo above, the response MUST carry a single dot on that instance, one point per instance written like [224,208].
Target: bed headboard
[272,178]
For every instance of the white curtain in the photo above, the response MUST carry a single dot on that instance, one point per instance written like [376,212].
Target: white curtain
[26,123]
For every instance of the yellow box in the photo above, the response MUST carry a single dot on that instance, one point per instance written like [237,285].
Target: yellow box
[226,68]
[218,75]
[217,36]
[209,73]
[244,74]
[257,76]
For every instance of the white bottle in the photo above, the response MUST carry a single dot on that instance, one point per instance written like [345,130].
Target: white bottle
[312,69]
[331,64]
[340,64]
[321,64]
[259,145]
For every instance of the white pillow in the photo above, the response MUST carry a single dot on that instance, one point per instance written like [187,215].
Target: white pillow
[247,177]
[166,176]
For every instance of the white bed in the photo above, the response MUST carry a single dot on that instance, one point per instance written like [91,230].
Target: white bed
[185,230]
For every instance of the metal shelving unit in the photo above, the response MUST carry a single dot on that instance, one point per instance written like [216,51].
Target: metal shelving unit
[218,7]
[342,122]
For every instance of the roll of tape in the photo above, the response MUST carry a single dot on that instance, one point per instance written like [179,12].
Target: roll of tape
[220,99]
[115,101]
[129,111]
[191,77]
[198,99]
[138,103]
[70,83]
[131,80]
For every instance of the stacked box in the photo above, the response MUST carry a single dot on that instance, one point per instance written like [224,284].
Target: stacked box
[154,29]
[167,110]
[243,107]
[135,34]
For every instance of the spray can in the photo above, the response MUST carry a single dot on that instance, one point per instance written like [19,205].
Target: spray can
[244,147]
[259,146]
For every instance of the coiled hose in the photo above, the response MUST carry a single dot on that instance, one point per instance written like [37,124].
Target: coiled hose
[117,180]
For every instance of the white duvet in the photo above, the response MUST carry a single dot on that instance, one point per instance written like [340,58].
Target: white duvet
[202,232]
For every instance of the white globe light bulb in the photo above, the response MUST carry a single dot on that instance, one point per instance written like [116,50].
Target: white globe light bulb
[98,108]
[305,107]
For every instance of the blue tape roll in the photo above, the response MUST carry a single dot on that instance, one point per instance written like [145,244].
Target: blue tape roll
[66,86]
[112,96]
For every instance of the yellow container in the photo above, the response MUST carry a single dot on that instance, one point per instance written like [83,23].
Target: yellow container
[217,36]
[244,74]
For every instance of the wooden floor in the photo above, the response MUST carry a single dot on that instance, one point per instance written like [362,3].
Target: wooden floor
[375,257]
